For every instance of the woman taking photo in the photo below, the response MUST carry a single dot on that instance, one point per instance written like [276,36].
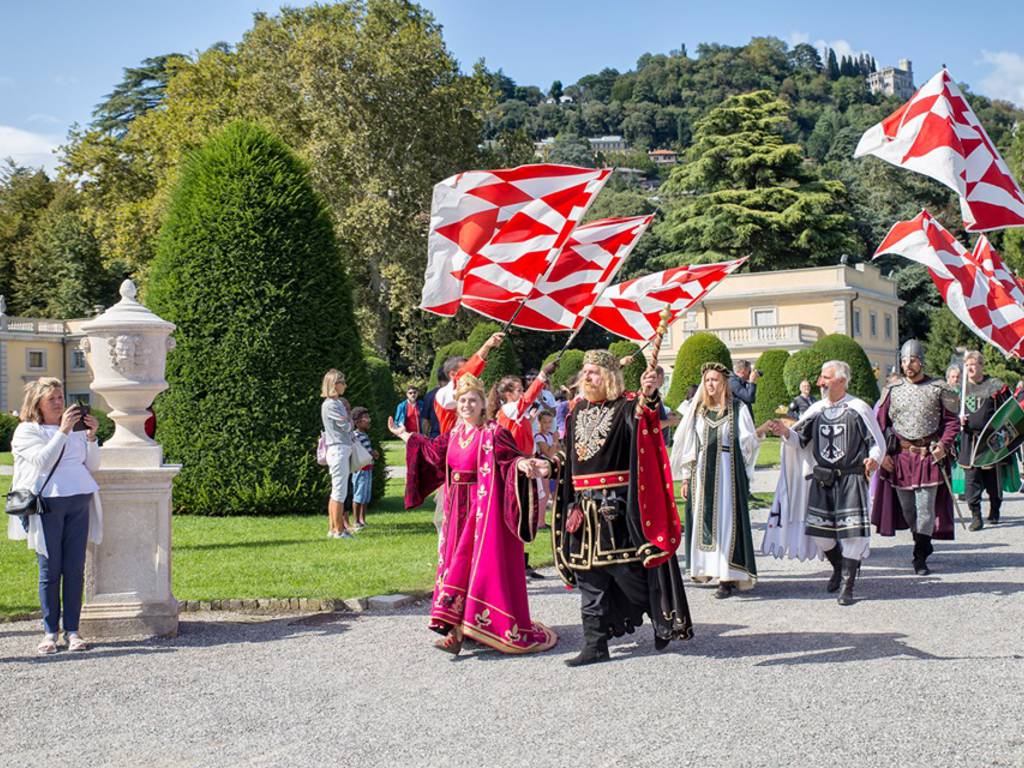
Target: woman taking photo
[337,420]
[715,465]
[55,453]
[489,503]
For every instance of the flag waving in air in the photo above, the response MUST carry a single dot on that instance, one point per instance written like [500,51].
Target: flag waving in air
[977,287]
[631,309]
[516,214]
[561,299]
[937,134]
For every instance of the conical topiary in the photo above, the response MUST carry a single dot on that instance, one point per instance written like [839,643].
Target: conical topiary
[248,268]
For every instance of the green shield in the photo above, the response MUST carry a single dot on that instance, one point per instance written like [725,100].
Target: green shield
[1003,434]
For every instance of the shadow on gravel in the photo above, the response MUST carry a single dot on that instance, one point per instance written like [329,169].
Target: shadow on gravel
[203,634]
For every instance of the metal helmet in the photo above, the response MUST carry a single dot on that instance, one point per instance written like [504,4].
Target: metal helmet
[912,348]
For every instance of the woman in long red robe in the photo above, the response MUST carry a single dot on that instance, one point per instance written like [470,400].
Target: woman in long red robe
[489,504]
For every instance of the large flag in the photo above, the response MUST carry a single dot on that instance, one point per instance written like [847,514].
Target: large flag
[977,287]
[473,209]
[632,309]
[560,300]
[937,133]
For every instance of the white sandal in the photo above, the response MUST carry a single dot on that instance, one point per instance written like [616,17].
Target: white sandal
[47,647]
[76,643]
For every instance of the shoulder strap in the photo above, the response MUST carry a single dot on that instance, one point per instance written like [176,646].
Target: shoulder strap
[52,470]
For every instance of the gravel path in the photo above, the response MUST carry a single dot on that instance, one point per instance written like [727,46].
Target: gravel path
[922,671]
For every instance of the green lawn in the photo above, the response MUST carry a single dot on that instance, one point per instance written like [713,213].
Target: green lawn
[290,556]
[768,456]
[394,453]
[6,459]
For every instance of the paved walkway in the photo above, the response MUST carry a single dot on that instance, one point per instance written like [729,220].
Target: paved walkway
[922,671]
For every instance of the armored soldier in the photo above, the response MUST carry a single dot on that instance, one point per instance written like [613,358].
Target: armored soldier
[983,396]
[917,415]
[616,527]
[845,445]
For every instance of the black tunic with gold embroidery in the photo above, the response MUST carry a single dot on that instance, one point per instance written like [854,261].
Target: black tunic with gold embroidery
[598,541]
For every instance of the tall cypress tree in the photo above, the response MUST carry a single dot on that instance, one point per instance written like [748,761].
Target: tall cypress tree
[248,268]
[832,66]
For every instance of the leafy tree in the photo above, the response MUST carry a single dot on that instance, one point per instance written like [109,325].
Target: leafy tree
[745,191]
[451,349]
[24,196]
[805,57]
[571,149]
[142,89]
[945,334]
[555,91]
[247,267]
[831,65]
[568,367]
[700,348]
[771,386]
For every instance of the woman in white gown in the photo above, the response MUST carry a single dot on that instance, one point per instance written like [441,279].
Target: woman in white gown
[715,460]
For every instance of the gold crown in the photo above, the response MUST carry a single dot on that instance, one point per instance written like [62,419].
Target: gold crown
[714,366]
[469,383]
[602,358]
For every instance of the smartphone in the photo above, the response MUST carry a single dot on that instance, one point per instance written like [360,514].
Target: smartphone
[83,411]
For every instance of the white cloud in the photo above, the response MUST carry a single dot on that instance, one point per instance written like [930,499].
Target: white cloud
[27,148]
[841,47]
[1006,80]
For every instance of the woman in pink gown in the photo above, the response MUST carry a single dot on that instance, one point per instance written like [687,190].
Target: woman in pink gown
[489,504]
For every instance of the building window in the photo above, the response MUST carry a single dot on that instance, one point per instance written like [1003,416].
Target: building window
[80,397]
[856,322]
[77,360]
[35,359]
[888,326]
[761,316]
[873,323]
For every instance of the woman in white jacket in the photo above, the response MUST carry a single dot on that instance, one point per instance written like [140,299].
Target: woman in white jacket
[46,440]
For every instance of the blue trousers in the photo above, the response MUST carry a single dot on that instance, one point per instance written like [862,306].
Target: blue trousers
[66,531]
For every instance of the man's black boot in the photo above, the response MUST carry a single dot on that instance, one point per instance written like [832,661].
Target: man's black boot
[922,548]
[595,643]
[835,557]
[993,514]
[976,523]
[850,568]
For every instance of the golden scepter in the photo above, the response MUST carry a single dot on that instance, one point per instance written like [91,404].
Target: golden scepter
[659,334]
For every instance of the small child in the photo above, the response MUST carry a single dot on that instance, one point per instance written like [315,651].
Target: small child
[362,481]
[546,446]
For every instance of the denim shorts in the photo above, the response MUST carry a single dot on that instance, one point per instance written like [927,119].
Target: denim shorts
[362,487]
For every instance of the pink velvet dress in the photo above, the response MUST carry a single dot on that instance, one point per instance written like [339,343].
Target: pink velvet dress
[489,511]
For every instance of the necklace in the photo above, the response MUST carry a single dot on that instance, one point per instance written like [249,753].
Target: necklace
[465,435]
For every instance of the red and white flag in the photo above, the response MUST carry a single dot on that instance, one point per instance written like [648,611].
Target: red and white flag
[510,210]
[937,133]
[632,309]
[978,288]
[560,300]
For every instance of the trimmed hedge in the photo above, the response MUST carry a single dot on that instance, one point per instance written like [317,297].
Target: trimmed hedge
[8,424]
[247,267]
[568,367]
[632,372]
[700,348]
[806,364]
[451,349]
[771,387]
[385,399]
[503,361]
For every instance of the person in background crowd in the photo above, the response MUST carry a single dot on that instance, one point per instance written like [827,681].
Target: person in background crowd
[429,424]
[409,410]
[567,398]
[669,419]
[919,421]
[337,423]
[798,405]
[362,481]
[984,395]
[455,368]
[55,453]
[546,446]
[743,384]
[953,378]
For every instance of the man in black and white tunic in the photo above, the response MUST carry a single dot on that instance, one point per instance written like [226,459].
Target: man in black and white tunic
[845,445]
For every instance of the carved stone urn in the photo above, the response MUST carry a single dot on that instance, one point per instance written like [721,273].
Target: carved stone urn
[127,347]
[128,575]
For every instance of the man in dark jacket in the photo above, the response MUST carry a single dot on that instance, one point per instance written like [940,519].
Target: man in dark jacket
[743,383]
[984,395]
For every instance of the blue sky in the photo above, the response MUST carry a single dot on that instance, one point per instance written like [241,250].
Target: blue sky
[59,58]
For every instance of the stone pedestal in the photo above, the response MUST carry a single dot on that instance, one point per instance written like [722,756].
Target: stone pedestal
[128,576]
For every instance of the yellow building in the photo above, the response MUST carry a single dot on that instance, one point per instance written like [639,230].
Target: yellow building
[33,347]
[793,308]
